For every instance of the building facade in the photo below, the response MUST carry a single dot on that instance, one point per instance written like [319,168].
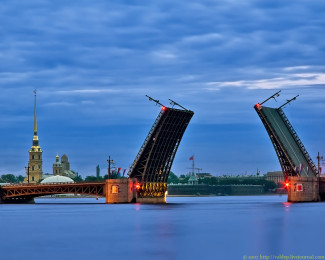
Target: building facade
[63,168]
[34,171]
[277,177]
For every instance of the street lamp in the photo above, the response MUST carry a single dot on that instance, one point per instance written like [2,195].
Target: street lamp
[319,159]
[27,169]
[109,161]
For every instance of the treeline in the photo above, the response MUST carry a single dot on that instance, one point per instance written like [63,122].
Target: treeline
[10,178]
[99,178]
[240,181]
[268,185]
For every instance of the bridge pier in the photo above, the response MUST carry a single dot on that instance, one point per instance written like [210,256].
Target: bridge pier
[306,189]
[127,191]
[120,190]
[153,200]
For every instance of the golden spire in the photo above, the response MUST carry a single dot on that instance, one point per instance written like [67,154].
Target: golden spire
[35,120]
[35,137]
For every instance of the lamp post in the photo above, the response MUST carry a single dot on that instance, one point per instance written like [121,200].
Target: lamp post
[109,161]
[27,169]
[319,158]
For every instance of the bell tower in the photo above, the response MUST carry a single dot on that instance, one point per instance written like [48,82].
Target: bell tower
[35,171]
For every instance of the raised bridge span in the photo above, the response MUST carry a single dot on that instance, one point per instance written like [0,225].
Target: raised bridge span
[147,182]
[301,175]
[292,154]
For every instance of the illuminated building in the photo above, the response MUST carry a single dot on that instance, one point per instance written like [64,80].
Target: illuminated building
[34,170]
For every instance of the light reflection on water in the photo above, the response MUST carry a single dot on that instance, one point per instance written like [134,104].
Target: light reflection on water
[185,228]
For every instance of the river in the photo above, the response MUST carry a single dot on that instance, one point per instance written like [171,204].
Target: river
[233,227]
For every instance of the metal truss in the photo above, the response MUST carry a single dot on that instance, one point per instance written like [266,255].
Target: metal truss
[284,159]
[36,190]
[311,164]
[288,168]
[153,163]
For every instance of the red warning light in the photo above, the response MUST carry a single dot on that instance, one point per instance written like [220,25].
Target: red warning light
[286,185]
[137,186]
[258,105]
[163,108]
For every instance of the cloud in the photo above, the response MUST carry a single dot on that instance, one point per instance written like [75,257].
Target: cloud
[163,56]
[93,62]
[86,91]
[59,104]
[287,81]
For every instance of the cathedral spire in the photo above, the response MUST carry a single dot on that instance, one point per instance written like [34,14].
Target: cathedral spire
[35,162]
[35,119]
[35,137]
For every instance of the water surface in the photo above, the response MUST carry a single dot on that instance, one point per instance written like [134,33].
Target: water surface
[185,228]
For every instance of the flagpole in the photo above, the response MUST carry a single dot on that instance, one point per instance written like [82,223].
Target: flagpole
[193,166]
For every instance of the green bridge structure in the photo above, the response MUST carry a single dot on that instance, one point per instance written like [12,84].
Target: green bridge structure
[302,179]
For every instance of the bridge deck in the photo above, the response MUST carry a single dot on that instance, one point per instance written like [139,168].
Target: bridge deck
[152,165]
[36,190]
[289,148]
[156,155]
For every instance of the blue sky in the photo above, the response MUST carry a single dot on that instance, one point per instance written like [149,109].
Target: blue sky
[93,62]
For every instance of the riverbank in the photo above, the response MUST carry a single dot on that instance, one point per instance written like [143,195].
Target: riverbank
[218,190]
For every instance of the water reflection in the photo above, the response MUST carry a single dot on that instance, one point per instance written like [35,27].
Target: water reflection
[287,206]
[185,228]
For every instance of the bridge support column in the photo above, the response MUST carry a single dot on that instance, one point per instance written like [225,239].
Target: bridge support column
[17,201]
[154,200]
[120,191]
[303,189]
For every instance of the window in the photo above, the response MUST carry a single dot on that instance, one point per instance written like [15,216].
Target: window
[33,178]
[33,157]
[300,187]
[39,157]
[33,169]
[114,189]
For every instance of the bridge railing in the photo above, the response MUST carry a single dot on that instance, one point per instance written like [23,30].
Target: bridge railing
[298,141]
[35,190]
[145,142]
[52,183]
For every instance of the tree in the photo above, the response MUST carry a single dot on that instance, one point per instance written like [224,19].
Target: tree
[78,178]
[91,178]
[184,180]
[9,178]
[20,178]
[172,178]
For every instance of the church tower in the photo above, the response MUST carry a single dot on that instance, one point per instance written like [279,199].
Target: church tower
[57,166]
[35,172]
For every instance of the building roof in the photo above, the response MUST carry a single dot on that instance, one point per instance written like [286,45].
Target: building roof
[57,179]
[277,173]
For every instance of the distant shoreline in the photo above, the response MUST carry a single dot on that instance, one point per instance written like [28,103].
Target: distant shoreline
[170,196]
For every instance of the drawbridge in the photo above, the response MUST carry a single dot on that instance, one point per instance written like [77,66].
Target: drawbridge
[292,154]
[153,162]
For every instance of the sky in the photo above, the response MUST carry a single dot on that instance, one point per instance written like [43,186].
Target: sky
[93,62]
